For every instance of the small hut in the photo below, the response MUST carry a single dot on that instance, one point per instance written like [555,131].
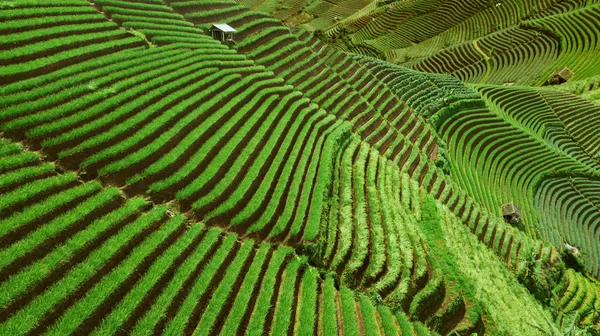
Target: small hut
[561,76]
[222,32]
[511,213]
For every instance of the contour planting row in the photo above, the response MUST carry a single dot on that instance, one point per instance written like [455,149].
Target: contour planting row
[426,94]
[578,295]
[580,117]
[376,92]
[372,240]
[41,38]
[98,141]
[215,138]
[562,7]
[570,214]
[157,22]
[326,13]
[353,23]
[502,57]
[128,140]
[299,66]
[506,241]
[463,61]
[369,242]
[457,21]
[486,18]
[78,258]
[390,18]
[204,13]
[464,260]
[497,162]
[518,55]
[563,120]
[438,15]
[579,31]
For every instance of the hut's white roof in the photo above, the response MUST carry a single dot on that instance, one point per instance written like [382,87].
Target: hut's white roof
[223,27]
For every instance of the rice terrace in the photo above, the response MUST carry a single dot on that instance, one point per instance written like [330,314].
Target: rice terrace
[300,167]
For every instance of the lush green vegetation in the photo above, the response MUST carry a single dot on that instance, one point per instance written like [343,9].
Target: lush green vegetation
[156,181]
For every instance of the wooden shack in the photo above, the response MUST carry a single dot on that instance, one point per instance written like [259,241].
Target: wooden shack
[561,76]
[222,32]
[511,213]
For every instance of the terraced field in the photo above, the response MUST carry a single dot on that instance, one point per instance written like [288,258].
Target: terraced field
[154,180]
[492,42]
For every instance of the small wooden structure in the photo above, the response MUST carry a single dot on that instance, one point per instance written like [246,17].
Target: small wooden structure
[222,32]
[511,213]
[561,76]
[572,249]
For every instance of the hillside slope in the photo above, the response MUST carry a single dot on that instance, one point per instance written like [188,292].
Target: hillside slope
[156,181]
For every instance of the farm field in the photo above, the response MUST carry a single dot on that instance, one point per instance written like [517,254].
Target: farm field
[337,168]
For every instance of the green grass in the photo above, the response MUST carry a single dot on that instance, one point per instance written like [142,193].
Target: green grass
[284,307]
[240,306]
[349,312]
[157,310]
[341,220]
[28,317]
[19,219]
[262,306]
[75,316]
[308,303]
[223,292]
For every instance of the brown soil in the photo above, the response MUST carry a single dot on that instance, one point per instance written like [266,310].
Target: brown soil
[340,317]
[103,309]
[179,298]
[49,244]
[152,295]
[359,318]
[269,319]
[58,310]
[8,79]
[203,300]
[220,319]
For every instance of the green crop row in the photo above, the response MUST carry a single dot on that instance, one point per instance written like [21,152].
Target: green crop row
[130,268]
[251,280]
[74,316]
[184,146]
[30,316]
[176,112]
[222,293]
